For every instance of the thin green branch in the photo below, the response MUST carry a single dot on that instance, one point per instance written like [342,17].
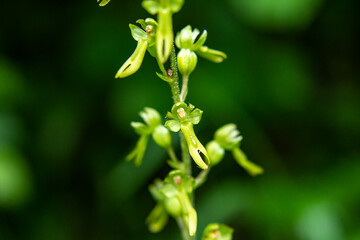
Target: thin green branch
[184,88]
[183,229]
[173,156]
[201,178]
[174,84]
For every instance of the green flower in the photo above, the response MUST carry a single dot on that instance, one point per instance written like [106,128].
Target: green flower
[190,46]
[183,118]
[145,41]
[173,197]
[152,126]
[164,36]
[228,138]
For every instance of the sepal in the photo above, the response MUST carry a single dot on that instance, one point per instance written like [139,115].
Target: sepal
[137,33]
[138,153]
[172,125]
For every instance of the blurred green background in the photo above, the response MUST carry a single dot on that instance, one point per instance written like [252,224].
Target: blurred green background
[291,84]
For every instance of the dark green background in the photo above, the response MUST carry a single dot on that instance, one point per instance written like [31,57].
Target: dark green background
[290,83]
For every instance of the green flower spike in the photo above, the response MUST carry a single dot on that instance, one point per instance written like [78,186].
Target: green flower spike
[183,118]
[228,138]
[164,35]
[215,231]
[152,126]
[145,41]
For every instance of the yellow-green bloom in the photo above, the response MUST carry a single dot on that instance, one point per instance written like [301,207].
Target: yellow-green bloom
[228,138]
[183,117]
[152,126]
[190,47]
[173,197]
[145,41]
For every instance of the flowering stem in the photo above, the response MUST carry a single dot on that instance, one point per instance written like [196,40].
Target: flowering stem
[174,84]
[172,155]
[184,88]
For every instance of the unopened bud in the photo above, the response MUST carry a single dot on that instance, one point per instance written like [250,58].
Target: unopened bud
[216,152]
[187,61]
[173,206]
[162,136]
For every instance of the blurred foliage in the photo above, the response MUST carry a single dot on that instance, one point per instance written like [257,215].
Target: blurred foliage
[290,83]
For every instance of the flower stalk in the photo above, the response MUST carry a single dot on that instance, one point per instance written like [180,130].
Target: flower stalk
[174,195]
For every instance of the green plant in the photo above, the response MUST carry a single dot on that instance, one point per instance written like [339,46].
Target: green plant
[175,194]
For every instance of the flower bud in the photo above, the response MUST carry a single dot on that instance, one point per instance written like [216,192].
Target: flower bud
[215,231]
[162,136]
[187,61]
[228,137]
[216,152]
[173,206]
[157,219]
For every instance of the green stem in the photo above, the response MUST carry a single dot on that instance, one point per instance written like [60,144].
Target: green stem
[184,88]
[172,155]
[201,178]
[183,229]
[174,84]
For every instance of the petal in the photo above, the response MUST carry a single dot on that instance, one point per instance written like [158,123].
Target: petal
[195,146]
[172,125]
[151,6]
[157,219]
[134,62]
[199,43]
[249,166]
[211,54]
[138,153]
[140,128]
[103,2]
[164,35]
[137,33]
